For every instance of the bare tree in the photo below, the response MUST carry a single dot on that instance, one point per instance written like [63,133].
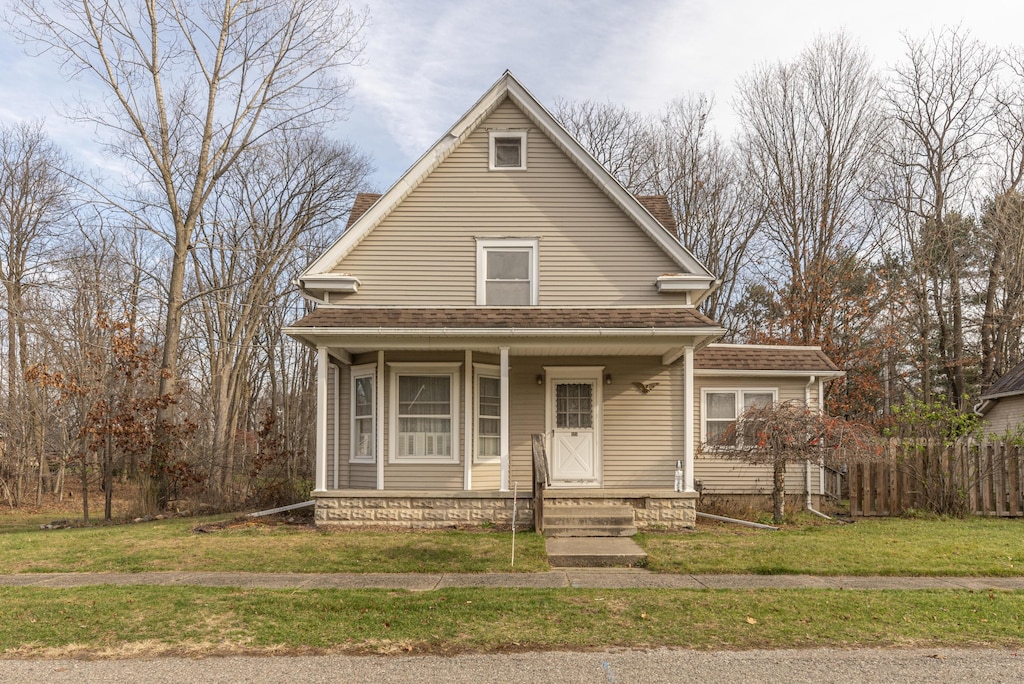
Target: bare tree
[808,137]
[703,180]
[35,199]
[939,102]
[189,87]
[620,139]
[274,203]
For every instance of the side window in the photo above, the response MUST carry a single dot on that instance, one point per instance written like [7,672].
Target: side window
[507,151]
[723,408]
[488,415]
[363,402]
[507,272]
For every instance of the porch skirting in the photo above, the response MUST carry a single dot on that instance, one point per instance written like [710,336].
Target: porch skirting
[354,508]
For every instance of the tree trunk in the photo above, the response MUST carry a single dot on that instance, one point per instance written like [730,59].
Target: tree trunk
[778,490]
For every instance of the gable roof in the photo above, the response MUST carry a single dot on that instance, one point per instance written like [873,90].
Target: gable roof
[759,359]
[508,87]
[1011,383]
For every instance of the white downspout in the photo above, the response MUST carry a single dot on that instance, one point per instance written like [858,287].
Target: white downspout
[807,464]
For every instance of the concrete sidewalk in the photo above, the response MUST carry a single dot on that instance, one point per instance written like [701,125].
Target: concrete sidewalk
[580,578]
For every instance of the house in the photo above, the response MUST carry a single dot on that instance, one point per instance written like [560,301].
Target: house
[1002,405]
[508,286]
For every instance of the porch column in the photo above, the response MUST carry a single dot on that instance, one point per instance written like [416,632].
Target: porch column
[504,418]
[688,419]
[468,439]
[378,431]
[321,419]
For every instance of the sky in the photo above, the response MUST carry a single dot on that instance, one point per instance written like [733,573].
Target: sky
[427,61]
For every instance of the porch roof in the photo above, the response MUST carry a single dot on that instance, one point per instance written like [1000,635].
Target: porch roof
[717,359]
[534,330]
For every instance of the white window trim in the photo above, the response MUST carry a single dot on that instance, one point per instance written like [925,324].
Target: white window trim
[413,368]
[492,136]
[482,370]
[738,393]
[368,370]
[497,244]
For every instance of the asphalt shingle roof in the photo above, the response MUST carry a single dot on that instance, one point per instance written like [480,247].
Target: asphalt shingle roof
[1012,382]
[754,358]
[501,317]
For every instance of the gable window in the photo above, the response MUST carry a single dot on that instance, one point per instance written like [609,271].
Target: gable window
[507,150]
[722,408]
[424,403]
[506,271]
[488,414]
[364,438]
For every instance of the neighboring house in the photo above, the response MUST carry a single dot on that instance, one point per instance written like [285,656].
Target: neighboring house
[507,285]
[1002,404]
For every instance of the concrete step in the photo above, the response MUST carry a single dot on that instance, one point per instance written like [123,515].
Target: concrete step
[583,530]
[589,521]
[594,552]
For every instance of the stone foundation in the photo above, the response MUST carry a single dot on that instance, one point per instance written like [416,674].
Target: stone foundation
[437,510]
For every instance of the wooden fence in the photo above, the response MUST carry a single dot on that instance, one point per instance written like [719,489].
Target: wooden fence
[980,477]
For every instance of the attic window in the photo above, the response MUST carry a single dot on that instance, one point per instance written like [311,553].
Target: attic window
[507,150]
[506,272]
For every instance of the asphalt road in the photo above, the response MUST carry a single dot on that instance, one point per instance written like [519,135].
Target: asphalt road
[603,667]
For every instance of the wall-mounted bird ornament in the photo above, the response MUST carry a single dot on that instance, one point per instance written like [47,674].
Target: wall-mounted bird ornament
[645,388]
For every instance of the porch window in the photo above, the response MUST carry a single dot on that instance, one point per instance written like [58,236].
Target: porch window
[364,438]
[488,415]
[424,401]
[721,410]
[507,150]
[506,272]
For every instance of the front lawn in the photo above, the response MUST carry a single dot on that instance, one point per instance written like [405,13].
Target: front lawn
[876,546]
[250,546]
[141,621]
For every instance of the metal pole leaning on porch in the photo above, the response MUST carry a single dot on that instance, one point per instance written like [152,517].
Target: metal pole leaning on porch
[688,419]
[321,418]
[504,418]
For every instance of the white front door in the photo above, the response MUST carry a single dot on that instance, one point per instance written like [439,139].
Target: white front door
[574,417]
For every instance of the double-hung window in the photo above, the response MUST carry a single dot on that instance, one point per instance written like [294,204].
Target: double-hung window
[506,271]
[507,150]
[425,404]
[364,414]
[488,414]
[722,408]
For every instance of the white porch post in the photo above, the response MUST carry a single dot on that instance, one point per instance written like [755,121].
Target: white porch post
[688,419]
[468,439]
[321,418]
[504,418]
[379,428]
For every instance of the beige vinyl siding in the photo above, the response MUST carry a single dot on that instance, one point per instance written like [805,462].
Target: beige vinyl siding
[344,374]
[590,252]
[1006,416]
[641,433]
[726,476]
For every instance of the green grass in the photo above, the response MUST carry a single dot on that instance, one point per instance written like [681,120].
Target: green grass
[142,620]
[884,546]
[172,545]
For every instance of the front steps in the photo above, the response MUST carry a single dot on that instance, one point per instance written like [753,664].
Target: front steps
[591,536]
[604,520]
[594,552]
